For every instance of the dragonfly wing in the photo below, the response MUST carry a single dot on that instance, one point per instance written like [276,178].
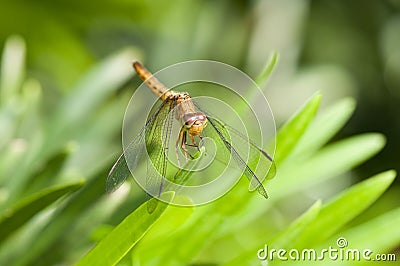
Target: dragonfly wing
[157,142]
[117,175]
[257,154]
[120,170]
[131,155]
[255,183]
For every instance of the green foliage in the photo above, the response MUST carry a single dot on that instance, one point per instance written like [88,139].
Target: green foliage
[49,217]
[290,134]
[18,215]
[125,236]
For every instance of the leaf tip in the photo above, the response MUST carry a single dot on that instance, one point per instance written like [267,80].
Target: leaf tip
[388,176]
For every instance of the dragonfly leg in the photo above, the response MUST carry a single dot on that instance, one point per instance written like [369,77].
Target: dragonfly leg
[194,144]
[201,139]
[180,137]
[184,144]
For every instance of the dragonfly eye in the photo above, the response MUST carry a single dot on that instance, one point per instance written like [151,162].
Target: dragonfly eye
[189,120]
[200,117]
[194,120]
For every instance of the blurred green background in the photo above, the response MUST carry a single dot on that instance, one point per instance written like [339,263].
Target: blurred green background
[66,80]
[338,48]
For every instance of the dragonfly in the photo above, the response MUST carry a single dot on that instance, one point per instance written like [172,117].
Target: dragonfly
[156,134]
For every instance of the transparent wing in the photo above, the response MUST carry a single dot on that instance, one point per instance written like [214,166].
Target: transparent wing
[132,154]
[157,142]
[258,156]
[255,183]
[120,170]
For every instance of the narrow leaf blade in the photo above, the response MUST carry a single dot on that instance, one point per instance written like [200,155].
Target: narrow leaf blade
[126,235]
[24,210]
[292,131]
[351,202]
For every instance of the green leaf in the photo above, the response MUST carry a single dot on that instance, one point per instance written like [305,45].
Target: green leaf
[171,220]
[18,215]
[42,249]
[324,127]
[291,132]
[383,233]
[380,235]
[126,235]
[352,202]
[260,81]
[282,240]
[48,173]
[268,68]
[12,68]
[332,160]
[291,233]
[197,233]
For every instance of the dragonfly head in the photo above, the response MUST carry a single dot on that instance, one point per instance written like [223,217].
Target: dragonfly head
[195,123]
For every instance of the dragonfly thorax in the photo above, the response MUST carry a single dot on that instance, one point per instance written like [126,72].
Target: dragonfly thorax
[194,123]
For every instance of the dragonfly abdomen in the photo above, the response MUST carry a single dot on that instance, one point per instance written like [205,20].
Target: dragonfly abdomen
[156,87]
